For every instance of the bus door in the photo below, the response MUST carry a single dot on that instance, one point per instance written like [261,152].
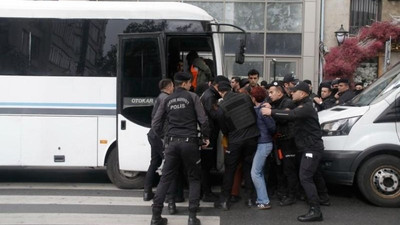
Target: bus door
[141,65]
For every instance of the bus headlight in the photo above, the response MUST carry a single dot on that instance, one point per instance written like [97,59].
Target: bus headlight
[338,127]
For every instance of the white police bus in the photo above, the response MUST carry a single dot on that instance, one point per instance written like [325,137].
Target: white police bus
[78,79]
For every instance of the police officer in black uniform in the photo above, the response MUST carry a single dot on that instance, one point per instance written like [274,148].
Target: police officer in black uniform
[183,111]
[209,99]
[309,142]
[166,87]
[239,123]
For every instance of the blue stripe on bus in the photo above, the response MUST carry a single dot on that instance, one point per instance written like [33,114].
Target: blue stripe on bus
[58,104]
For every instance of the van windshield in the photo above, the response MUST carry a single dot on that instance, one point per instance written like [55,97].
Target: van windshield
[378,90]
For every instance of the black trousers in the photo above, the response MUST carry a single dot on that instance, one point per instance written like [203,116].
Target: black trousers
[177,153]
[290,165]
[208,161]
[236,151]
[310,174]
[157,155]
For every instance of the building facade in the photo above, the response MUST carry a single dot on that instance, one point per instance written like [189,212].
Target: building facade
[354,14]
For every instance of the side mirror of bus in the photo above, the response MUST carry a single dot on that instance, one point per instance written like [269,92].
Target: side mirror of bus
[239,56]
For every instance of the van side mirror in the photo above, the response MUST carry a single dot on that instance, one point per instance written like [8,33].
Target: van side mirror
[239,56]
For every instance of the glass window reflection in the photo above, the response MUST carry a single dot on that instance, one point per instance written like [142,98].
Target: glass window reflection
[283,44]
[284,17]
[254,45]
[247,15]
[235,69]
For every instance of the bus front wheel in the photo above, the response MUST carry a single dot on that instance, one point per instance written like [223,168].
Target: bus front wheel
[121,178]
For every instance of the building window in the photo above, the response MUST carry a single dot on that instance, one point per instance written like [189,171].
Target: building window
[284,28]
[362,13]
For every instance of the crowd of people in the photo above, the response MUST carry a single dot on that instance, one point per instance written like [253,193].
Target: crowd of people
[271,136]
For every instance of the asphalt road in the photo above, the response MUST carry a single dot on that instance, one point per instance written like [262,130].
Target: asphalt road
[87,193]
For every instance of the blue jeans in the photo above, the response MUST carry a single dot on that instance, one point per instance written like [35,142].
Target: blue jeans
[257,171]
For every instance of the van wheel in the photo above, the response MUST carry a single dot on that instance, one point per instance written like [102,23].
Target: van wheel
[378,180]
[121,178]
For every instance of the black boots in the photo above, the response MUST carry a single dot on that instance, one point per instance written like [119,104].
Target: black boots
[156,219]
[314,214]
[172,208]
[148,195]
[193,219]
[222,203]
[287,200]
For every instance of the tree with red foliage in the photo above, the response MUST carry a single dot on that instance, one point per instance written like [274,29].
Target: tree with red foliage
[343,60]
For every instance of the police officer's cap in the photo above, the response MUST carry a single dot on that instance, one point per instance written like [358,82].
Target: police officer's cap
[301,86]
[182,76]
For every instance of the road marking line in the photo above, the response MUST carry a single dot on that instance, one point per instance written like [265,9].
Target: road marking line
[82,200]
[61,186]
[94,219]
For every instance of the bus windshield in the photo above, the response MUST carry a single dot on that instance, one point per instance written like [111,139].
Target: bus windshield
[379,89]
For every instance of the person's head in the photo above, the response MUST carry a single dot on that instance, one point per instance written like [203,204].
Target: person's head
[253,76]
[359,86]
[191,56]
[258,94]
[183,79]
[224,87]
[309,83]
[343,85]
[166,85]
[326,90]
[218,79]
[235,83]
[244,82]
[265,85]
[289,80]
[300,91]
[335,84]
[276,91]
[179,66]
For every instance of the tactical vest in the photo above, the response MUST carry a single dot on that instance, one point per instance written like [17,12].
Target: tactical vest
[238,111]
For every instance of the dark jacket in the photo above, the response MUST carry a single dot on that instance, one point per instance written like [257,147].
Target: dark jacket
[183,111]
[237,117]
[266,125]
[327,103]
[345,96]
[209,99]
[307,128]
[161,98]
[284,127]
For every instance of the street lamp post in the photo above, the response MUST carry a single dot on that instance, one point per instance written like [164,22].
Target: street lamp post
[274,61]
[341,35]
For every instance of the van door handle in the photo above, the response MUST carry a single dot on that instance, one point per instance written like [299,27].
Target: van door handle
[123,125]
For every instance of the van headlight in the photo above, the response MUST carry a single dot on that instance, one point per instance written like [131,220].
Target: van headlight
[338,127]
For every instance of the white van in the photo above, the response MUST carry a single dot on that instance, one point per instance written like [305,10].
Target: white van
[362,141]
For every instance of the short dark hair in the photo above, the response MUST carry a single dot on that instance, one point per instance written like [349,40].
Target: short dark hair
[164,83]
[253,72]
[237,79]
[307,82]
[259,93]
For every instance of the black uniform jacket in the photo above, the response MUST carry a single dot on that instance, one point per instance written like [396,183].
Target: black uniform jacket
[161,98]
[182,110]
[284,127]
[307,128]
[209,99]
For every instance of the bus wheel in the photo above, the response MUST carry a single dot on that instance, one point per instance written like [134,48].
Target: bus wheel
[378,180]
[121,178]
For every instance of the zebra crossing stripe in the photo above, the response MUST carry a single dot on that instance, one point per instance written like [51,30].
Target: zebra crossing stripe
[94,219]
[83,200]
